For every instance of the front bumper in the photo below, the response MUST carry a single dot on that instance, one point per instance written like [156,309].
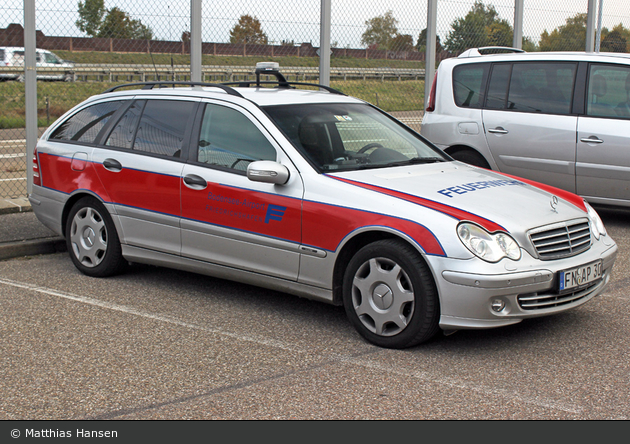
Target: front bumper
[527,288]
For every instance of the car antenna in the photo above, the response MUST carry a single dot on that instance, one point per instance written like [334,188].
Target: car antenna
[154,67]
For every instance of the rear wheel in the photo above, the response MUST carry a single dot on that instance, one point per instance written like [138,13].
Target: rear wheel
[389,295]
[470,157]
[92,239]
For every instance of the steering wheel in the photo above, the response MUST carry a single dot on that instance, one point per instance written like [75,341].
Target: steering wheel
[369,146]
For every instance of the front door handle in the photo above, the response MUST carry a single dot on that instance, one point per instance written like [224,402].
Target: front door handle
[592,139]
[112,165]
[498,130]
[195,182]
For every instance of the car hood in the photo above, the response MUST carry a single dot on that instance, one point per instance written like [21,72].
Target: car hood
[493,200]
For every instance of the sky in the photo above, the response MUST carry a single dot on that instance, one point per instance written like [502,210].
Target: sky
[298,21]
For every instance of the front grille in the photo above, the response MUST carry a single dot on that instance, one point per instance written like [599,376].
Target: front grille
[561,240]
[540,301]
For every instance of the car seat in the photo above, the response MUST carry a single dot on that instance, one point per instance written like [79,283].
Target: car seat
[598,89]
[315,140]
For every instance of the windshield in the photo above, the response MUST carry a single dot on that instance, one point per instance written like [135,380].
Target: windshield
[342,137]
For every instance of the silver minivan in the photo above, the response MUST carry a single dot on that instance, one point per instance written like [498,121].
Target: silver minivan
[49,65]
[562,119]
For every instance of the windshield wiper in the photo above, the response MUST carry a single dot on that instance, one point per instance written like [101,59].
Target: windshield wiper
[415,161]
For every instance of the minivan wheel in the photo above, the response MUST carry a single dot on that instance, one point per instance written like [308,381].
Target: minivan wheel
[470,157]
[389,295]
[92,239]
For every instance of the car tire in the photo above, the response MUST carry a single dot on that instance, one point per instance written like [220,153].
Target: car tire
[389,295]
[470,157]
[92,240]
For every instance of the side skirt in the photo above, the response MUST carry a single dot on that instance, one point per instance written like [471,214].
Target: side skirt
[144,256]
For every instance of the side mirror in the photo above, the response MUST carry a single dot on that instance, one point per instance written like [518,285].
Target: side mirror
[268,171]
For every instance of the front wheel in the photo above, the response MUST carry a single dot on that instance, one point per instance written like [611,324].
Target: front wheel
[389,295]
[92,239]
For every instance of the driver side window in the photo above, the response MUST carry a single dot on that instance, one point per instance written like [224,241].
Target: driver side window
[229,139]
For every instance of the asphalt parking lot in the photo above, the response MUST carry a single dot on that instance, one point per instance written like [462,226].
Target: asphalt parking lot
[163,344]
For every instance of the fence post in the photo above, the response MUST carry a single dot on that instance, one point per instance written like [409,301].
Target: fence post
[518,24]
[30,87]
[590,26]
[195,40]
[324,44]
[429,65]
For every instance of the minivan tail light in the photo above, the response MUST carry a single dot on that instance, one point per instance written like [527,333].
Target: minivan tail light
[431,104]
[37,180]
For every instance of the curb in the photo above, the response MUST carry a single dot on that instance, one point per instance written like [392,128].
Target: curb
[15,205]
[10,250]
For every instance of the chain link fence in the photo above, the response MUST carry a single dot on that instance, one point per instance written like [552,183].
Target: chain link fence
[377,49]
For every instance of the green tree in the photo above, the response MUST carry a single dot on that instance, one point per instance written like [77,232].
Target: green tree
[421,46]
[613,42]
[380,31]
[480,27]
[91,14]
[568,37]
[118,24]
[402,42]
[248,30]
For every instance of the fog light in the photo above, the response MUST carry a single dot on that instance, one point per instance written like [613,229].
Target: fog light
[498,305]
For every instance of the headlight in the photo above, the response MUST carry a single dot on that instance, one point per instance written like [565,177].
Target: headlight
[487,246]
[597,226]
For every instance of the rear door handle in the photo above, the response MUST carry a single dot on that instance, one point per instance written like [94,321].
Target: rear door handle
[498,130]
[592,139]
[112,165]
[195,182]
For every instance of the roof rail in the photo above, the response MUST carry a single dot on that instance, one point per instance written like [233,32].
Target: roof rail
[281,84]
[160,84]
[485,50]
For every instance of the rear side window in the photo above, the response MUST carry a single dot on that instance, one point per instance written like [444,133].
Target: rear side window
[85,125]
[163,125]
[608,91]
[469,84]
[153,126]
[545,88]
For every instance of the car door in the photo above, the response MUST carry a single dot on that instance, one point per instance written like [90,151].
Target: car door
[140,165]
[228,219]
[603,138]
[528,123]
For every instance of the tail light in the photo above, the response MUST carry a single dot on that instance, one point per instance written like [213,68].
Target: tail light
[37,180]
[431,104]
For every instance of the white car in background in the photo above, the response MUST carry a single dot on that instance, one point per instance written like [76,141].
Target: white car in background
[49,66]
[317,194]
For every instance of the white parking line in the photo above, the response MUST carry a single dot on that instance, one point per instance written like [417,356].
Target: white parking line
[13,179]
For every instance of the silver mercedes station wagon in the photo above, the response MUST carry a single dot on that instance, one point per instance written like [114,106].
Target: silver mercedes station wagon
[302,189]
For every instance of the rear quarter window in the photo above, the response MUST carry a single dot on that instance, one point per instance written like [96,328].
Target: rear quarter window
[85,125]
[469,84]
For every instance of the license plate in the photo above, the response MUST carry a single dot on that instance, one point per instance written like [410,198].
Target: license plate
[580,276]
